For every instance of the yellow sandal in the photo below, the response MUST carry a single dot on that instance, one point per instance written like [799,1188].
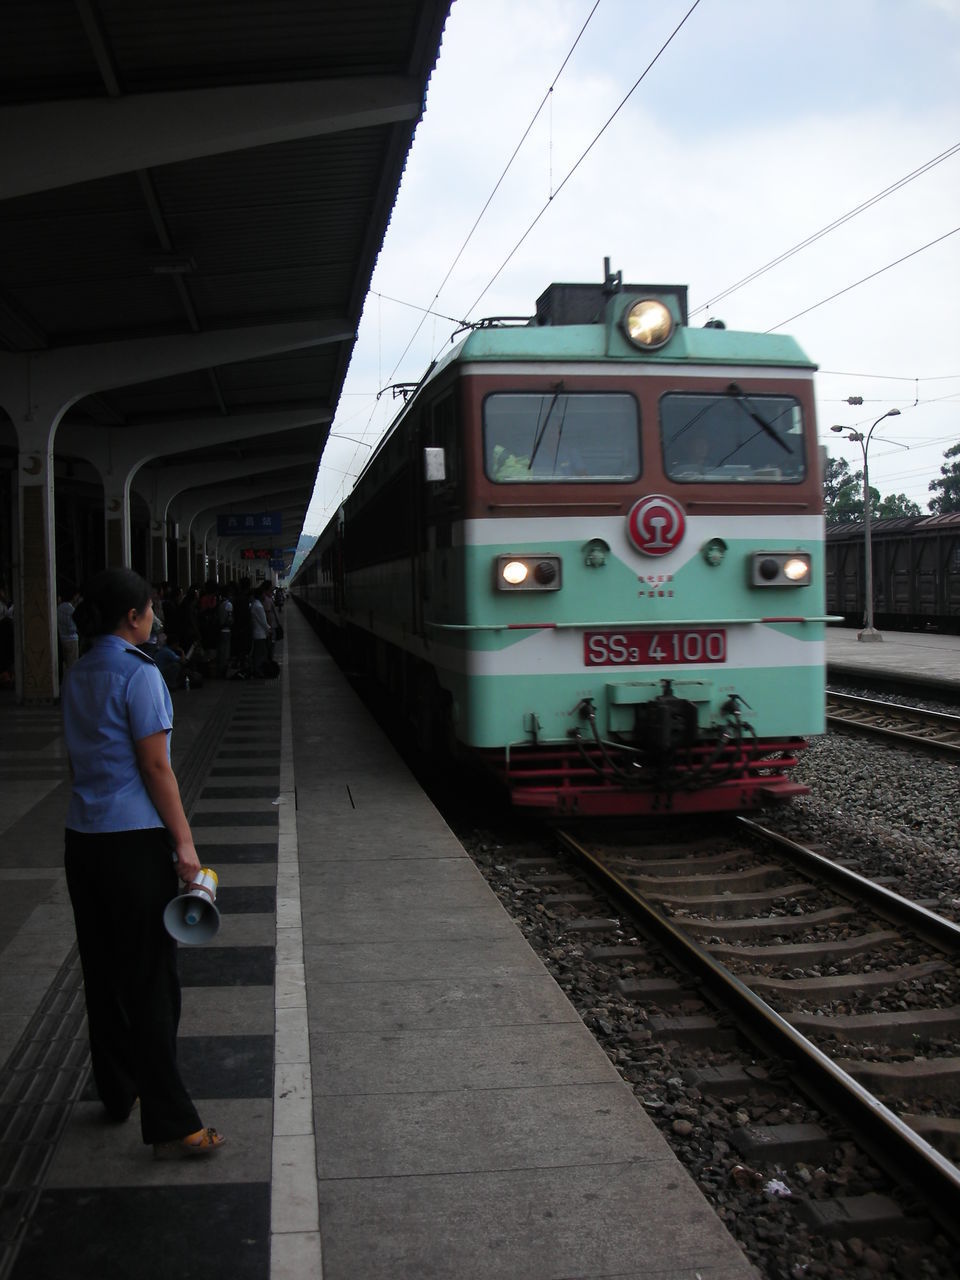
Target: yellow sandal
[202,1143]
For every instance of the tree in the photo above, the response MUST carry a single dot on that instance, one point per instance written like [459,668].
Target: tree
[843,496]
[947,488]
[842,491]
[898,504]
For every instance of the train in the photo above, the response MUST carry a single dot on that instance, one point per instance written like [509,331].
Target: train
[588,556]
[916,572]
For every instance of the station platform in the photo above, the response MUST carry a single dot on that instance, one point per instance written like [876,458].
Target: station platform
[924,659]
[405,1090]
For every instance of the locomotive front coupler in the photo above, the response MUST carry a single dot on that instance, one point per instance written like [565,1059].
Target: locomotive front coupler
[665,723]
[660,726]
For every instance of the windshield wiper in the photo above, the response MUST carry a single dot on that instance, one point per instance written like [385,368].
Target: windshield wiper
[737,394]
[538,439]
[560,425]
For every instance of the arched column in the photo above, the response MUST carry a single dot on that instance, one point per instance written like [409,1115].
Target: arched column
[120,453]
[35,402]
[36,389]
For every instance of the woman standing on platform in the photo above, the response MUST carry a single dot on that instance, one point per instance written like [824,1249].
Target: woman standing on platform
[127,841]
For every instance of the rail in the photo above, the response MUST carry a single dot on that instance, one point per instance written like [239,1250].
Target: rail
[892,1142]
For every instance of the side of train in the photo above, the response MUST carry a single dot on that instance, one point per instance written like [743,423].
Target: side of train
[589,553]
[916,572]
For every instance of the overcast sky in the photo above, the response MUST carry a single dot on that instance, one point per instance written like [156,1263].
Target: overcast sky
[760,124]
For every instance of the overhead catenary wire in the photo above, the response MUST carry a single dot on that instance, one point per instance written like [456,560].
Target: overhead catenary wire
[856,284]
[832,226]
[435,311]
[553,193]
[547,97]
[889,377]
[596,138]
[427,311]
[430,311]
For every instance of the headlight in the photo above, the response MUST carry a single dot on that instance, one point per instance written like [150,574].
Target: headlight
[780,569]
[797,569]
[527,573]
[514,572]
[648,324]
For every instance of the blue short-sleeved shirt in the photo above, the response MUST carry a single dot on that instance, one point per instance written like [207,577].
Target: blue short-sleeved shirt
[112,697]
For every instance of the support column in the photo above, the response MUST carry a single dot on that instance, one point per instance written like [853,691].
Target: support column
[172,540]
[183,560]
[116,522]
[37,388]
[174,495]
[210,545]
[37,665]
[35,405]
[119,456]
[158,549]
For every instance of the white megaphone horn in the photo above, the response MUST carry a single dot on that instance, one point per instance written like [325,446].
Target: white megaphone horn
[192,917]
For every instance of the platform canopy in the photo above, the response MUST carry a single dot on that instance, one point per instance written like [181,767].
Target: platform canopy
[193,195]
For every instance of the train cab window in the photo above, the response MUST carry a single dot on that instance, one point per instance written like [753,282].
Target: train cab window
[445,436]
[560,436]
[732,437]
[440,431]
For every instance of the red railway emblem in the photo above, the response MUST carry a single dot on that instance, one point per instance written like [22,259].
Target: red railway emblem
[656,525]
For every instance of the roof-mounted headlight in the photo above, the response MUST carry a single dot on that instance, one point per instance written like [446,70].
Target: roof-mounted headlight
[648,324]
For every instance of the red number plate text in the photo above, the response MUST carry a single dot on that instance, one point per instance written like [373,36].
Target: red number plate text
[654,648]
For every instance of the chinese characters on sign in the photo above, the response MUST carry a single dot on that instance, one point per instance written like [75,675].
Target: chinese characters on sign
[247,522]
[651,585]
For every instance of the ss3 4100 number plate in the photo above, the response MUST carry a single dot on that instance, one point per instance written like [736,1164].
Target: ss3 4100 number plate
[681,647]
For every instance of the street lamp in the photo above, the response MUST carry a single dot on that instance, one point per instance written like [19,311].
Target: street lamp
[869,632]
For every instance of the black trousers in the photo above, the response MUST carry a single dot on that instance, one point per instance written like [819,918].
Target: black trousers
[119,883]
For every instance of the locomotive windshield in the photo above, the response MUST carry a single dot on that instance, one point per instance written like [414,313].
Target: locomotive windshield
[530,438]
[731,436]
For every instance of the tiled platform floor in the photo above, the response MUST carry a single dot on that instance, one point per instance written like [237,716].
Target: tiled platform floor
[406,1091]
[106,1208]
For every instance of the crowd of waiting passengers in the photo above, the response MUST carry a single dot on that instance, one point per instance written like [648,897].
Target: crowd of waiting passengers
[216,631]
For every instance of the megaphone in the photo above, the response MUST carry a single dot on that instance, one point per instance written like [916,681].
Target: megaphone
[192,917]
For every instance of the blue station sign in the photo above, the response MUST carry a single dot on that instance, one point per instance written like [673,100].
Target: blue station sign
[249,522]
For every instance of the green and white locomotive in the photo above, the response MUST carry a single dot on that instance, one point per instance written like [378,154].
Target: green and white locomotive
[589,553]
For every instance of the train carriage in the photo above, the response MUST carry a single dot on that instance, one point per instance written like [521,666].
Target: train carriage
[589,553]
[916,572]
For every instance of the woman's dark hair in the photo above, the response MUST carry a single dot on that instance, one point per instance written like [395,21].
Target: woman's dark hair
[107,599]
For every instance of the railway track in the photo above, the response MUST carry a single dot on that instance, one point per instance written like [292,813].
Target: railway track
[856,988]
[916,727]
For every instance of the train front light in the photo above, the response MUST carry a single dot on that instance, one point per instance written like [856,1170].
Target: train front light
[797,569]
[528,573]
[514,573]
[780,569]
[648,324]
